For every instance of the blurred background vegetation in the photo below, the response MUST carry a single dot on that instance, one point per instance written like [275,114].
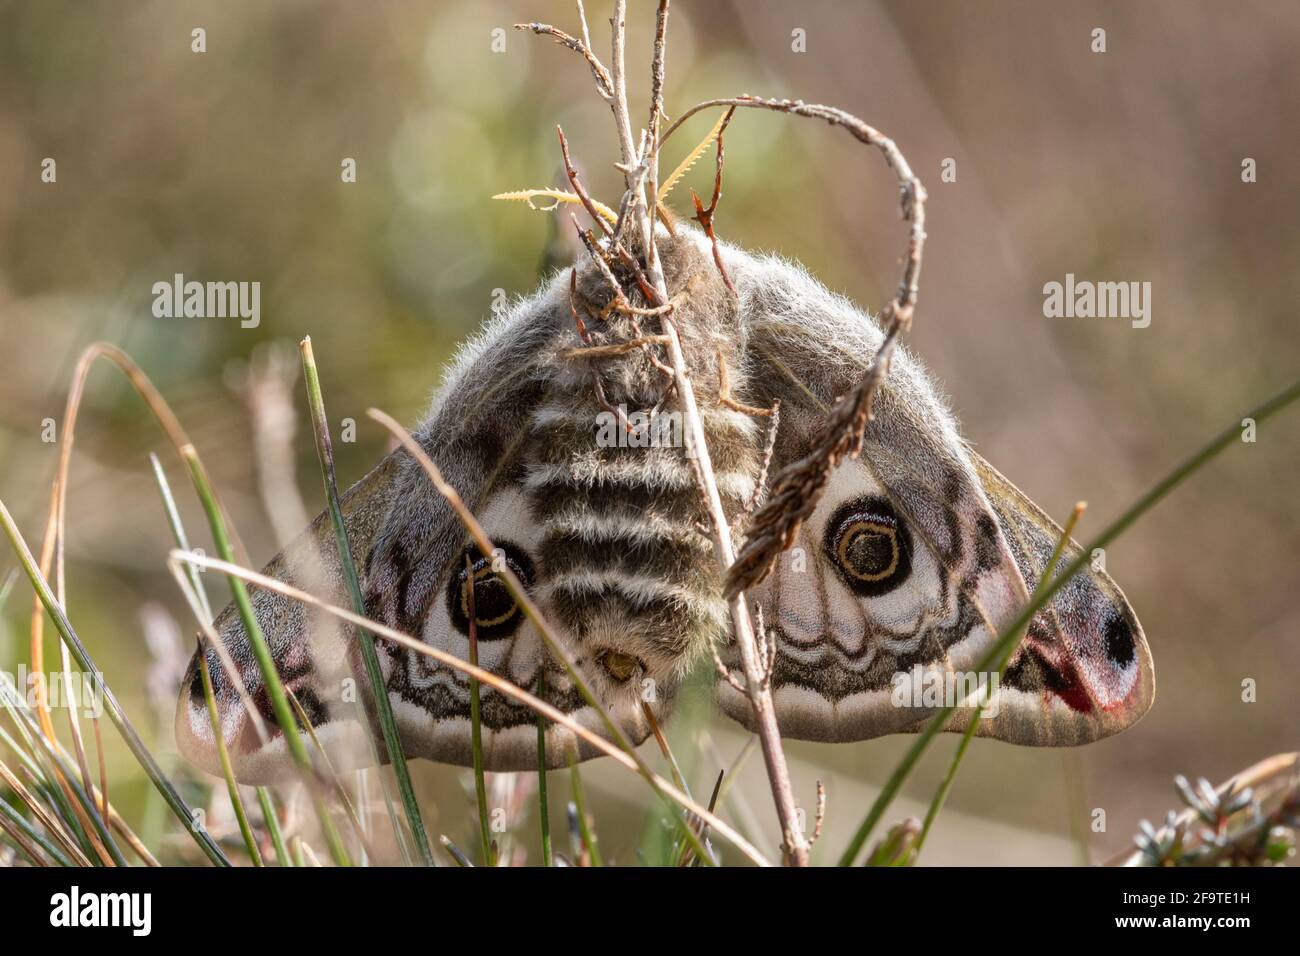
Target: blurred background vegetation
[1125,165]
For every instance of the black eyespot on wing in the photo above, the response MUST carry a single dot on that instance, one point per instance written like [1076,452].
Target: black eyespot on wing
[1120,646]
[496,614]
[869,545]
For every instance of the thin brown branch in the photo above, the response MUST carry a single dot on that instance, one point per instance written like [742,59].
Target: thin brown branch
[637,174]
[653,286]
[598,256]
[725,673]
[654,358]
[595,352]
[821,814]
[581,326]
[652,312]
[598,386]
[912,194]
[656,116]
[705,216]
[618,76]
[719,530]
[649,714]
[765,465]
[655,292]
[724,393]
[591,352]
[586,30]
[583,48]
[638,167]
[657,70]
[578,189]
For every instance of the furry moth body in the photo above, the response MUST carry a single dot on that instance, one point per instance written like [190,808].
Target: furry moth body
[918,555]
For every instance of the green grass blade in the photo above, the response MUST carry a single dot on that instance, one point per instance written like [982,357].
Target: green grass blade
[941,795]
[196,585]
[50,823]
[115,711]
[340,791]
[178,532]
[366,641]
[476,722]
[21,834]
[223,755]
[543,805]
[59,770]
[48,818]
[262,653]
[273,826]
[587,834]
[55,799]
[60,773]
[1006,644]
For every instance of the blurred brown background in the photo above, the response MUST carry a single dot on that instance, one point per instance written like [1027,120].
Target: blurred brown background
[1122,166]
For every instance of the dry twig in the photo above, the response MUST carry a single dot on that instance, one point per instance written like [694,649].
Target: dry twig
[798,487]
[638,168]
[821,814]
[578,188]
[705,216]
[582,47]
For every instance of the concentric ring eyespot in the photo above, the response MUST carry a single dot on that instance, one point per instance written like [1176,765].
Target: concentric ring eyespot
[869,545]
[496,613]
[868,550]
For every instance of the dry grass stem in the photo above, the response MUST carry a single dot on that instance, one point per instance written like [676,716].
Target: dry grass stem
[623,758]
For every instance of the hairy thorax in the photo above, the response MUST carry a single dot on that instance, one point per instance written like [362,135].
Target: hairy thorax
[612,474]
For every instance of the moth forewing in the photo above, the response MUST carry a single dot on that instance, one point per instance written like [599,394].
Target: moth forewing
[869,643]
